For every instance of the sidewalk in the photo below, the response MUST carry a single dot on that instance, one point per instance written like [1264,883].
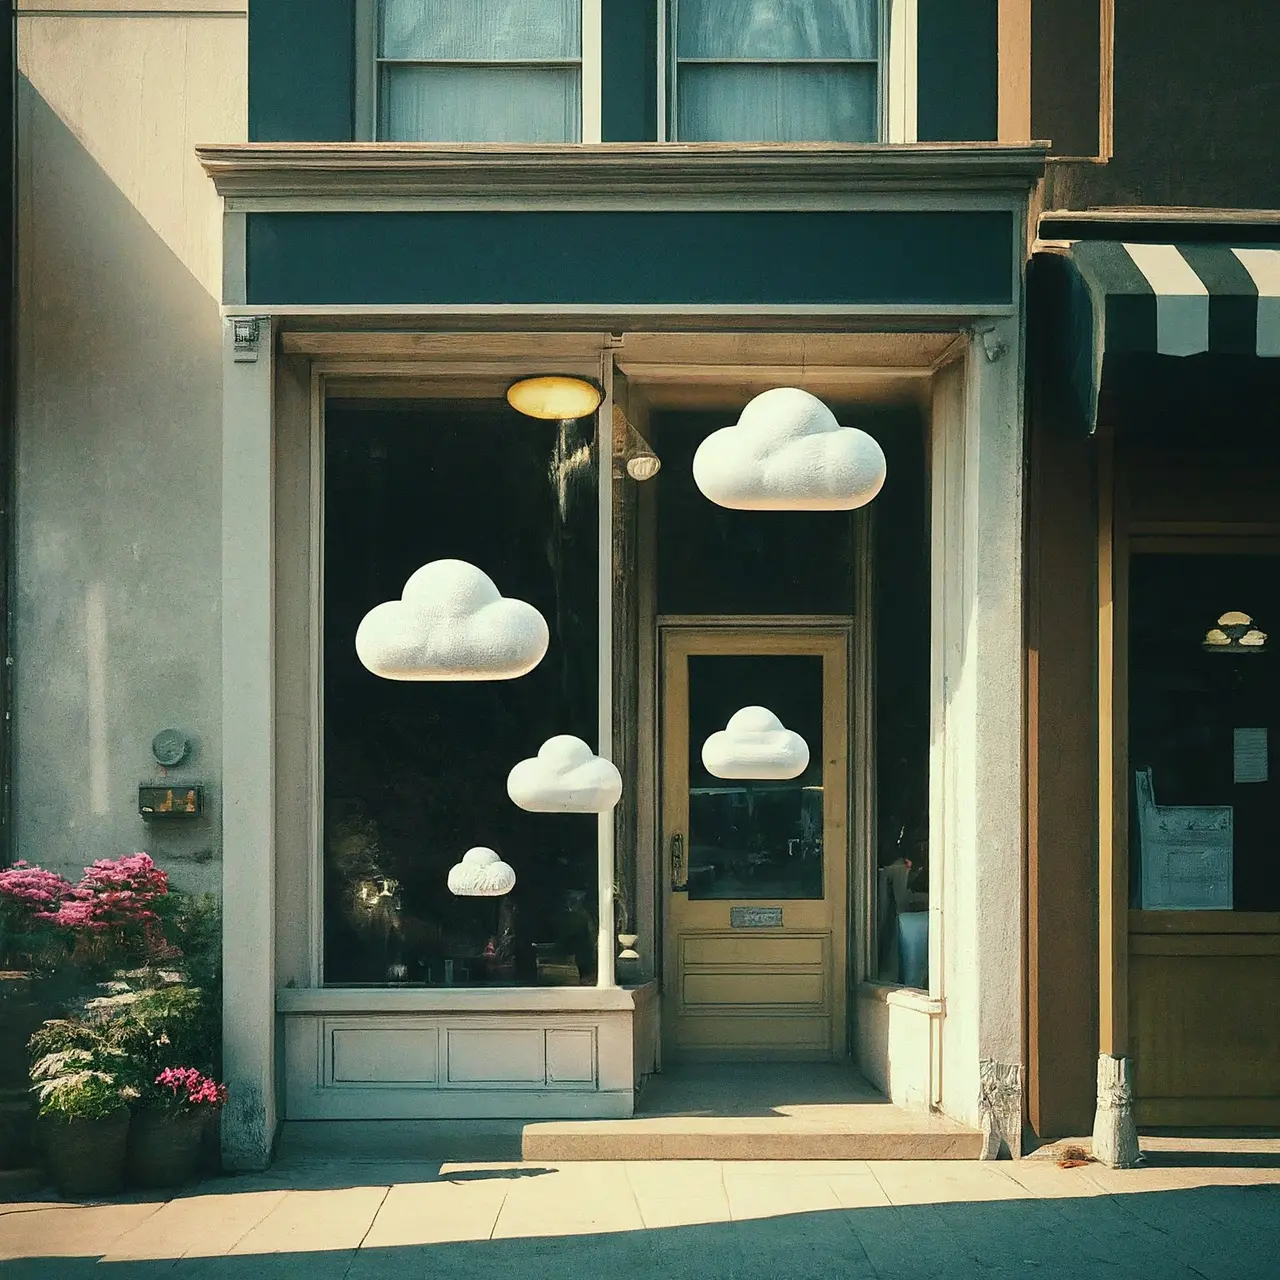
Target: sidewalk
[1197,1209]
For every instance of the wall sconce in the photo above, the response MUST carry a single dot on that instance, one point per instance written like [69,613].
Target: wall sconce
[555,397]
[1235,633]
[632,450]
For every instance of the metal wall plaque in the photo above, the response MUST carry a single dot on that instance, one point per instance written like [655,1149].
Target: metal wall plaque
[755,917]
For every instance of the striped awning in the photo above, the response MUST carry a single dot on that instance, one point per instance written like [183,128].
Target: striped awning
[1163,299]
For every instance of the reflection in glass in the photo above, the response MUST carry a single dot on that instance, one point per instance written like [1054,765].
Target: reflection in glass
[768,29]
[750,839]
[480,30]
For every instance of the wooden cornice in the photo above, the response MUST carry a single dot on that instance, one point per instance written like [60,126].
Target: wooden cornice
[288,172]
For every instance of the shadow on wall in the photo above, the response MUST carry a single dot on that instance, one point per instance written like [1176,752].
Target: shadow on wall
[1210,1231]
[118,545]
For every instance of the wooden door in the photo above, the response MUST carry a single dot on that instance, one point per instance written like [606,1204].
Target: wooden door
[755,871]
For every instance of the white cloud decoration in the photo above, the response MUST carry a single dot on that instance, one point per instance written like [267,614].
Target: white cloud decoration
[755,744]
[451,623]
[566,776]
[481,874]
[787,452]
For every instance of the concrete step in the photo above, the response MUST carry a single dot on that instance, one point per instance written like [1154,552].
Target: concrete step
[754,1112]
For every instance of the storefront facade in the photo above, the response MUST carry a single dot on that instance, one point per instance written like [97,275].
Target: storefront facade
[377,300]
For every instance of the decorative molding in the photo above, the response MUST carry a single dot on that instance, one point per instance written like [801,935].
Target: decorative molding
[292,171]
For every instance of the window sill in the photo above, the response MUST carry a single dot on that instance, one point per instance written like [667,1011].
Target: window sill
[461,999]
[903,998]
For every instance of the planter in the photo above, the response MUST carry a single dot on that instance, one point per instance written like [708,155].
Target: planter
[164,1147]
[85,1157]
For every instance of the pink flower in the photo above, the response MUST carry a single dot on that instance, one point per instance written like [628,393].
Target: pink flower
[32,890]
[199,1090]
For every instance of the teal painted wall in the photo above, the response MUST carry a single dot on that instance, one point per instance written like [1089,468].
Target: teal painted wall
[957,71]
[301,70]
[629,71]
[879,258]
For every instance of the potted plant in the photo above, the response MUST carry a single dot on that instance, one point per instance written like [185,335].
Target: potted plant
[167,1130]
[83,1082]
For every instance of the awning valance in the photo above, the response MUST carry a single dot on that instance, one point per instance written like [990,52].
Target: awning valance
[1100,300]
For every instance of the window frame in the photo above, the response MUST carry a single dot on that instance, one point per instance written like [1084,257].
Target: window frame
[369,67]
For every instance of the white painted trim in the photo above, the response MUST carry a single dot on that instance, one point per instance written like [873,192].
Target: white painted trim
[899,71]
[315,824]
[248,751]
[365,117]
[663,74]
[235,285]
[591,74]
[606,314]
[866,197]
[606,948]
[453,1000]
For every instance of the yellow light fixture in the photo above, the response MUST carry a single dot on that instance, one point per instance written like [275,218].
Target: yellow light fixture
[554,396]
[1235,633]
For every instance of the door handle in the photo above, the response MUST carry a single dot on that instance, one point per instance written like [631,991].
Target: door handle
[679,875]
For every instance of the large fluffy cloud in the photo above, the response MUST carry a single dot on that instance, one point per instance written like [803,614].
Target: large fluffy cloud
[787,452]
[755,744]
[566,776]
[451,623]
[481,874]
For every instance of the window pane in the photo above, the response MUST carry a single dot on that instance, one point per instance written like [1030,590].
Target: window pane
[415,773]
[777,104]
[481,30]
[748,839]
[480,104]
[777,29]
[1204,715]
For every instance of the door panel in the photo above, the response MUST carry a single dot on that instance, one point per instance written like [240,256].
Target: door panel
[756,915]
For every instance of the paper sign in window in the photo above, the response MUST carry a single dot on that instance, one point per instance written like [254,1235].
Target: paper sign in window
[1250,755]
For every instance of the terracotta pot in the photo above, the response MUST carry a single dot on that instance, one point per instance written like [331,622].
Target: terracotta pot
[164,1148]
[85,1157]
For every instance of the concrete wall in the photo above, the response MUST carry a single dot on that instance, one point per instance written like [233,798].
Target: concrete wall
[118,504]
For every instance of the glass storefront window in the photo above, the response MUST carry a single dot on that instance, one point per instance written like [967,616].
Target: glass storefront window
[755,839]
[1204,713]
[900,534]
[415,772]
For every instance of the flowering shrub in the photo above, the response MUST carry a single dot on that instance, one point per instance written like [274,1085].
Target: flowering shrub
[191,1089]
[80,1070]
[30,897]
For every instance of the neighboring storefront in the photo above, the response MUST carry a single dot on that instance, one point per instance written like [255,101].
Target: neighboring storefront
[380,303]
[1154,716]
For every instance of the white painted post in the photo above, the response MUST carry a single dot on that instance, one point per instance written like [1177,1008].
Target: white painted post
[977,760]
[248,736]
[605,946]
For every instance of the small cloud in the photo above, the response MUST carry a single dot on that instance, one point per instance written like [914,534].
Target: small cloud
[787,452]
[481,874]
[755,744]
[566,776]
[451,623]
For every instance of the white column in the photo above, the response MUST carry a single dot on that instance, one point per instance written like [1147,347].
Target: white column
[976,756]
[248,720]
[605,944]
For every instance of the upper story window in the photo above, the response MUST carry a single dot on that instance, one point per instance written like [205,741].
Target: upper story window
[479,70]
[727,70]
[774,71]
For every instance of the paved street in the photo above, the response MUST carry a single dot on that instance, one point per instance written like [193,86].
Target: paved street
[1195,1210]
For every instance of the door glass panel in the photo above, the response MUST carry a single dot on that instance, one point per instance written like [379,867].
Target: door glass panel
[755,839]
[1204,715]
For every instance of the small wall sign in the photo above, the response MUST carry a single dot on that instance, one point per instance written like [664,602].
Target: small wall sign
[755,917]
[182,801]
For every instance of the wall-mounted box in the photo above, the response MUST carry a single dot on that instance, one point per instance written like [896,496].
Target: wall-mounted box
[181,801]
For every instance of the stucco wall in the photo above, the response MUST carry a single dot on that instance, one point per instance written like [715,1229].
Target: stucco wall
[118,525]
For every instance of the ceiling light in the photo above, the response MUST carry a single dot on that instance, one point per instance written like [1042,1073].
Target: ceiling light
[643,466]
[554,396]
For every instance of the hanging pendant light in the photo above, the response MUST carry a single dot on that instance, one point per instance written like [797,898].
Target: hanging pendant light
[555,397]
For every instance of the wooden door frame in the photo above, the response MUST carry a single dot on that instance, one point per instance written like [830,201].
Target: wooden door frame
[765,635]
